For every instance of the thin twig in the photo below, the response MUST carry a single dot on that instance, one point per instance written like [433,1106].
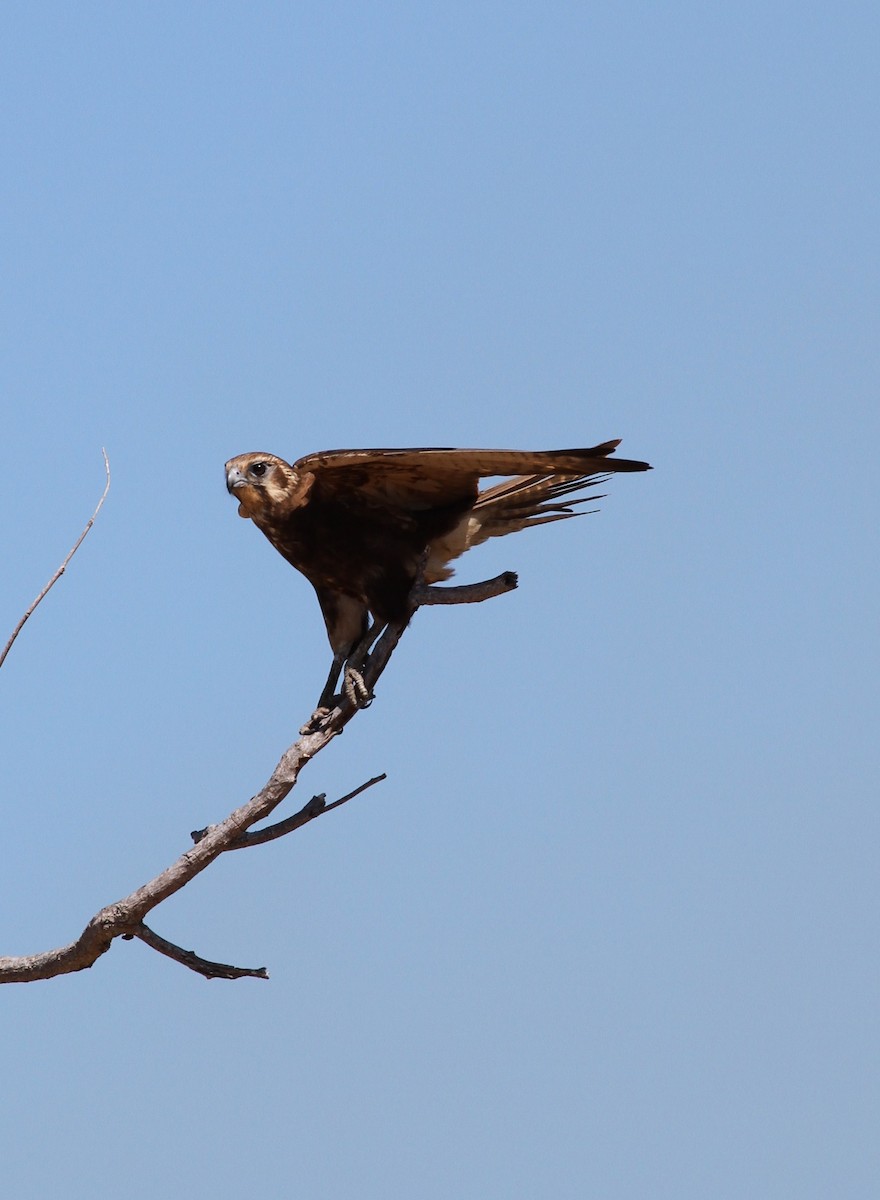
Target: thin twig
[188,958]
[316,807]
[63,566]
[357,791]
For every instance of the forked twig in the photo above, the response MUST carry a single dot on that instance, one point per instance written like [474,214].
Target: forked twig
[316,807]
[63,566]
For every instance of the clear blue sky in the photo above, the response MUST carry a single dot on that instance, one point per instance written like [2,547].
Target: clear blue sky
[610,928]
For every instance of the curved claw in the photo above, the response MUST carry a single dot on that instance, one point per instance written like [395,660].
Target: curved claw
[354,689]
[316,720]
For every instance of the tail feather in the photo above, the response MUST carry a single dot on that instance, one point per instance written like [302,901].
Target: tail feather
[528,500]
[522,501]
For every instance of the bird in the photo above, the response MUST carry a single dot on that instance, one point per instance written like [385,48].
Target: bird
[366,527]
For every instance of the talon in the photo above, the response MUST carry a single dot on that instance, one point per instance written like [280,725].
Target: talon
[355,690]
[316,720]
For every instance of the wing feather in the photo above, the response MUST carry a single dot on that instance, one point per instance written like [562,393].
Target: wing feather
[439,475]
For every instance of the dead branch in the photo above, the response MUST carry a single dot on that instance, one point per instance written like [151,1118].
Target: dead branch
[316,807]
[188,958]
[79,541]
[125,917]
[467,593]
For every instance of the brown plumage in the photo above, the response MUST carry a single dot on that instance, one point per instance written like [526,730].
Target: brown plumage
[359,524]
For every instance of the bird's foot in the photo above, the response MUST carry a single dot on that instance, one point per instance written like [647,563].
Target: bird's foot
[317,719]
[354,689]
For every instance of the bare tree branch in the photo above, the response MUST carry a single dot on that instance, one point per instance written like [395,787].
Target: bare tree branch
[125,917]
[467,593]
[63,566]
[316,807]
[188,958]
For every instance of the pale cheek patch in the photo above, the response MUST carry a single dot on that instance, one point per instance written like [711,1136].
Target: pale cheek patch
[286,494]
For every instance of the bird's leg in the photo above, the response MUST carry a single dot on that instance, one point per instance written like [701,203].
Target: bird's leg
[328,694]
[354,689]
[351,663]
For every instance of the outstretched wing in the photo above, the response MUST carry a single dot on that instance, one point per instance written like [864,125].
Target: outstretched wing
[428,478]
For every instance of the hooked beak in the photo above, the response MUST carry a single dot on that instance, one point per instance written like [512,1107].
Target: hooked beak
[236,482]
[234,479]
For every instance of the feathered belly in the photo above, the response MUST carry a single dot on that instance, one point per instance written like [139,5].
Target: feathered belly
[375,562]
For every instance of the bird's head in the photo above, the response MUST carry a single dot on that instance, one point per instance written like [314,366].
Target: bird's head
[265,486]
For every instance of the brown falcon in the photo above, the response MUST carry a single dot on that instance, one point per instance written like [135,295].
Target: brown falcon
[365,526]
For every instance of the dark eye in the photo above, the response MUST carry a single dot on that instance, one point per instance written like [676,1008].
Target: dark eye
[259,469]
